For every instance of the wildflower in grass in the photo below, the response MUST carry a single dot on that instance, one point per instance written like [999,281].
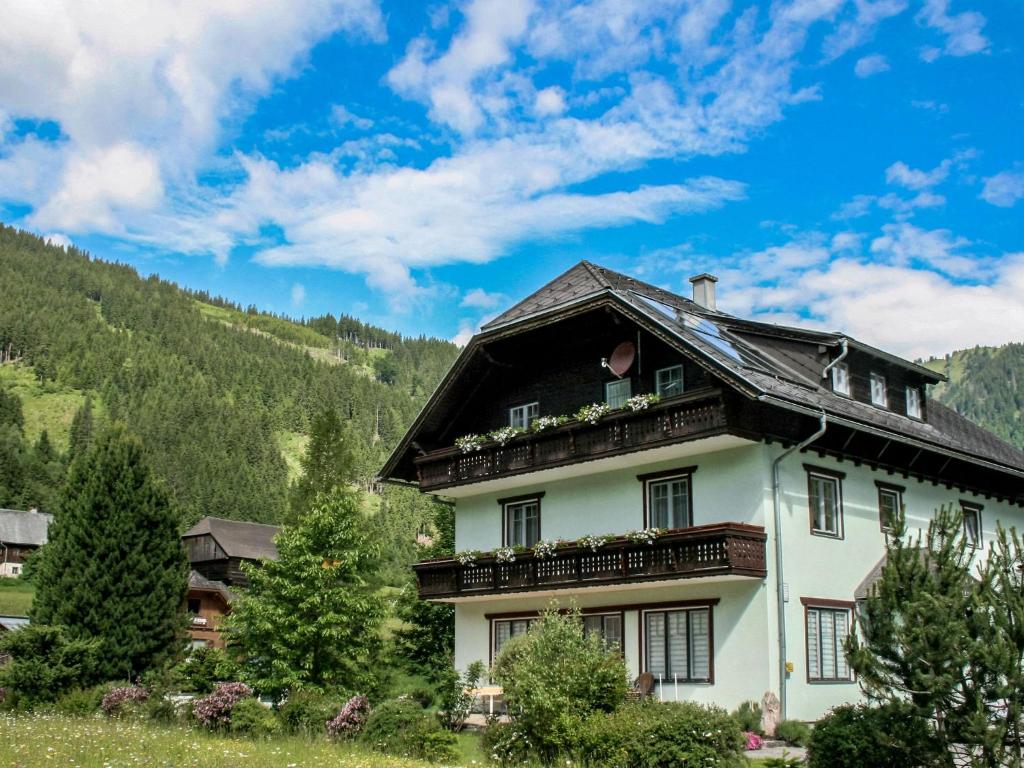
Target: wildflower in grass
[351,719]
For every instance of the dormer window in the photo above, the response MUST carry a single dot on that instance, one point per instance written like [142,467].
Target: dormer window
[841,379]
[914,402]
[879,395]
[669,381]
[616,393]
[522,416]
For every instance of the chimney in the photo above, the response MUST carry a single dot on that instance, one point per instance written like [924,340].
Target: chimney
[704,290]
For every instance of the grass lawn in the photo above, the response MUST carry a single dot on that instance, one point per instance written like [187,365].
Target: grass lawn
[46,406]
[15,597]
[49,740]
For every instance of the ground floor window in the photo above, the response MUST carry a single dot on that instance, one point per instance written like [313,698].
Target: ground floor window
[827,629]
[678,644]
[504,630]
[608,627]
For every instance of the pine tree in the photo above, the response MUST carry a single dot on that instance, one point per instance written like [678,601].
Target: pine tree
[10,411]
[114,568]
[310,618]
[82,427]
[327,464]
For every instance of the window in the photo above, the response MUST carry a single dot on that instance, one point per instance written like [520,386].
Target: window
[890,502]
[668,503]
[616,393]
[505,630]
[196,644]
[914,402]
[678,644]
[523,415]
[826,501]
[879,395]
[669,381]
[522,522]
[841,379]
[194,604]
[608,627]
[827,629]
[972,523]
[15,570]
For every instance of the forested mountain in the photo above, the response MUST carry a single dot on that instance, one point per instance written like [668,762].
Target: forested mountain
[986,384]
[221,397]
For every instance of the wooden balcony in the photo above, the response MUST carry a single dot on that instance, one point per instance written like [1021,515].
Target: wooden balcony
[721,549]
[690,416]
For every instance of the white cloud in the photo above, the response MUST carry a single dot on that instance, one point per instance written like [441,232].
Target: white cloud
[930,105]
[855,208]
[903,244]
[478,298]
[1004,189]
[903,175]
[859,29]
[963,30]
[466,331]
[342,116]
[871,65]
[58,238]
[550,101]
[298,295]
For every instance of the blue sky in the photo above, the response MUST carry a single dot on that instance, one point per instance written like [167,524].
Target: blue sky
[846,165]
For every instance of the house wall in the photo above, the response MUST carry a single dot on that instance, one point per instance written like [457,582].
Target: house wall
[728,486]
[12,558]
[212,610]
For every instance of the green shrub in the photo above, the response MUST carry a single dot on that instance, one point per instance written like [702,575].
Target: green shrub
[785,761]
[423,696]
[661,735]
[505,743]
[45,662]
[306,712]
[82,701]
[748,716]
[554,675]
[252,719]
[888,736]
[204,668]
[795,732]
[455,694]
[404,729]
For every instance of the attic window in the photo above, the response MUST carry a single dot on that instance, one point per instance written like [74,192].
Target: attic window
[523,415]
[879,395]
[914,402]
[841,379]
[616,393]
[669,381]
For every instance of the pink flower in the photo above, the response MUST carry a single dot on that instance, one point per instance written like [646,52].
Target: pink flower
[351,719]
[753,740]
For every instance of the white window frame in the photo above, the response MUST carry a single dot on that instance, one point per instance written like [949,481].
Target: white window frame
[815,615]
[660,386]
[813,474]
[669,675]
[882,399]
[523,415]
[897,494]
[970,509]
[518,626]
[841,379]
[649,486]
[602,631]
[609,386]
[508,527]
[914,409]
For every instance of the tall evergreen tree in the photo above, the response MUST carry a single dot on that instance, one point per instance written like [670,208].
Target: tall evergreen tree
[114,568]
[82,427]
[327,464]
[310,618]
[10,410]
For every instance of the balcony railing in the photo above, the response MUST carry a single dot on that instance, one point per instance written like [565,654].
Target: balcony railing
[690,416]
[721,549]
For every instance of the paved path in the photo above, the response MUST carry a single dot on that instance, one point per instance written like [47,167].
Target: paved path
[755,754]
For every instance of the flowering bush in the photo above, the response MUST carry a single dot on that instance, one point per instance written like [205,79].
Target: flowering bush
[214,710]
[545,548]
[548,422]
[505,555]
[470,443]
[641,402]
[350,721]
[593,543]
[503,435]
[116,699]
[645,536]
[467,557]
[753,741]
[592,413]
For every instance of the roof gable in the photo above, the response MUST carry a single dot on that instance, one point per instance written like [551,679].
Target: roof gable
[25,528]
[244,540]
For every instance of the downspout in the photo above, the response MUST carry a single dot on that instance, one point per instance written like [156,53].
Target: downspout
[844,344]
[780,586]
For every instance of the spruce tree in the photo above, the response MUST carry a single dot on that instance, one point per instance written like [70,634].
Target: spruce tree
[82,427]
[327,464]
[114,568]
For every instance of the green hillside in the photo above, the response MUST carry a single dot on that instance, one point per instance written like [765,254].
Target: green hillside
[986,384]
[222,397]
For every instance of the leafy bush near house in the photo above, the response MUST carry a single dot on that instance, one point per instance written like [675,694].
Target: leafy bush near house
[214,710]
[748,716]
[45,662]
[795,732]
[123,700]
[204,668]
[887,736]
[307,712]
[404,729]
[505,743]
[661,735]
[455,694]
[553,676]
[82,702]
[252,719]
[349,722]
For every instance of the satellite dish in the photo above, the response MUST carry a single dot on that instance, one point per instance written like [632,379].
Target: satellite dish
[622,358]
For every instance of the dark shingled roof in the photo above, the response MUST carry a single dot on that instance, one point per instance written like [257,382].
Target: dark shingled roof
[200,583]
[249,541]
[25,528]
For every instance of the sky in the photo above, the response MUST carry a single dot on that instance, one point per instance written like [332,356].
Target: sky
[853,166]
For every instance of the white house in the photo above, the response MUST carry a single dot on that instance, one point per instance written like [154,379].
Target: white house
[769,463]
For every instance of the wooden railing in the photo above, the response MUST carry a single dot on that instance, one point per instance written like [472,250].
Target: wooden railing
[721,549]
[690,416]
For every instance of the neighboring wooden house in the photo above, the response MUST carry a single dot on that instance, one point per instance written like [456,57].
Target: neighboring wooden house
[770,464]
[216,549]
[21,534]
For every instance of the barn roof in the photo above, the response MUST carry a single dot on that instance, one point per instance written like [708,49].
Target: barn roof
[248,541]
[24,528]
